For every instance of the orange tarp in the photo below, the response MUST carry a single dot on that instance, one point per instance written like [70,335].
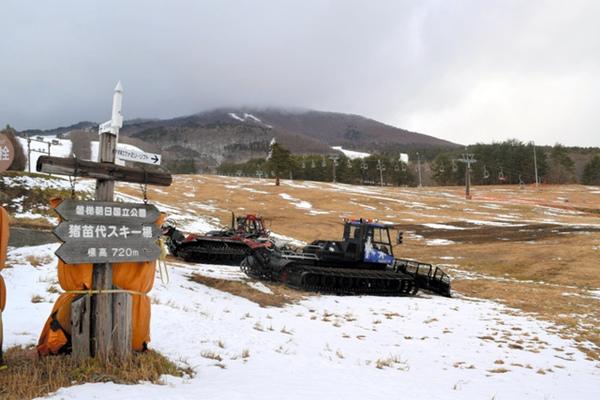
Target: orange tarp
[135,276]
[3,246]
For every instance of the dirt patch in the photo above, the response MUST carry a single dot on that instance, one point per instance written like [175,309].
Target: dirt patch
[21,236]
[473,234]
[280,297]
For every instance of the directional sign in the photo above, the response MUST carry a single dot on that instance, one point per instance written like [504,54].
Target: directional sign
[107,211]
[138,156]
[7,152]
[93,252]
[76,231]
[105,232]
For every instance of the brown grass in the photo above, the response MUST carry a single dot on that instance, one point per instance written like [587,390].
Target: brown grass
[28,376]
[211,355]
[391,362]
[37,261]
[546,302]
[37,299]
[559,259]
[498,370]
[280,297]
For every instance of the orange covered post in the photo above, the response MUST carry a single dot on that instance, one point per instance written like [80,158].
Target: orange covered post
[76,279]
[3,247]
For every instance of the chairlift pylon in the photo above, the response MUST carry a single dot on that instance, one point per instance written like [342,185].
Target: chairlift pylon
[501,176]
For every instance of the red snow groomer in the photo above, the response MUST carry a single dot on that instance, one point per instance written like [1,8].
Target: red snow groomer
[226,246]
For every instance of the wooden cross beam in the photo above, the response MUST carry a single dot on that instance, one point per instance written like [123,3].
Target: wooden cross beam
[105,171]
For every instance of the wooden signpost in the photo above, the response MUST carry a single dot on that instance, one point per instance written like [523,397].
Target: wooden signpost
[7,152]
[102,232]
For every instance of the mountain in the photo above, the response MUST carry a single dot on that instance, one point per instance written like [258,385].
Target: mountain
[239,134]
[83,126]
[205,140]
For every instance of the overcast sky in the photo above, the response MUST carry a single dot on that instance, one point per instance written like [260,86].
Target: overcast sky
[466,71]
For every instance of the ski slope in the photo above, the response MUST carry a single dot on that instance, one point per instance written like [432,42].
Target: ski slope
[424,347]
[352,347]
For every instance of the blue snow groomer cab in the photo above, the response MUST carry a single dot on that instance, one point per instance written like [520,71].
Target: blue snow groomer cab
[367,245]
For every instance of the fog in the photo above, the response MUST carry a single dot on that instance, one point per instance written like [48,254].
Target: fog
[466,71]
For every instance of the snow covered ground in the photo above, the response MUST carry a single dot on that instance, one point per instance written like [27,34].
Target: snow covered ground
[62,148]
[351,154]
[323,347]
[58,148]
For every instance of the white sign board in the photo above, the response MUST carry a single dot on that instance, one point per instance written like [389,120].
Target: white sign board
[138,156]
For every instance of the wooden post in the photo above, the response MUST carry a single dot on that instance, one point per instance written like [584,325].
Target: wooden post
[80,327]
[102,323]
[102,309]
[122,329]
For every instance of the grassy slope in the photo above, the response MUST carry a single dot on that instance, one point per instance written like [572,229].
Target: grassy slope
[549,276]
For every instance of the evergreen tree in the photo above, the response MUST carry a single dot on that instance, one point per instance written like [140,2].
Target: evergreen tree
[447,171]
[562,168]
[279,161]
[591,172]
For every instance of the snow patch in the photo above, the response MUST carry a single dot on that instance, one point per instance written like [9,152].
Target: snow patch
[351,154]
[260,287]
[439,242]
[296,202]
[337,343]
[444,226]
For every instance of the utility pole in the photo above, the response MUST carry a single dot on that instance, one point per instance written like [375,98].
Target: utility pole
[535,166]
[29,152]
[36,150]
[419,168]
[381,168]
[334,163]
[468,159]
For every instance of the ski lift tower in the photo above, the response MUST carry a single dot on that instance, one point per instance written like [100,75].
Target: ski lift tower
[334,163]
[380,168]
[468,159]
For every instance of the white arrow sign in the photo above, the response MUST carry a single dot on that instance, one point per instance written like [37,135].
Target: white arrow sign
[138,156]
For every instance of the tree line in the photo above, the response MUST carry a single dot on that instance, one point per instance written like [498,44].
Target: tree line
[507,162]
[318,167]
